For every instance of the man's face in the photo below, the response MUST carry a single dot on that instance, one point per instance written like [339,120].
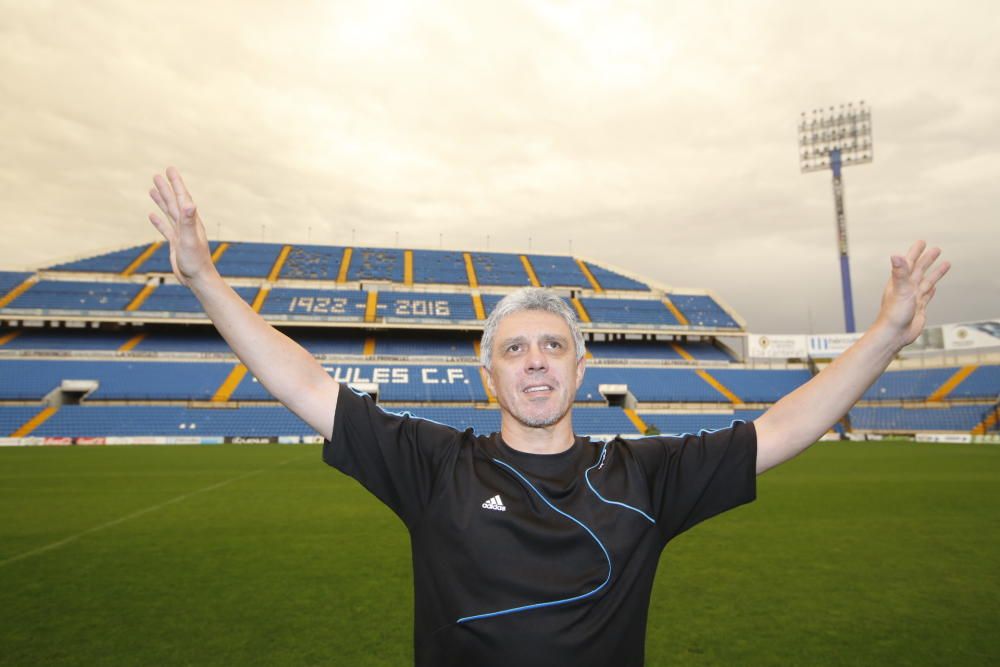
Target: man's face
[534,371]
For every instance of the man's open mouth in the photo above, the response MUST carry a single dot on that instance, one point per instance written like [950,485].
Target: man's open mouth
[537,388]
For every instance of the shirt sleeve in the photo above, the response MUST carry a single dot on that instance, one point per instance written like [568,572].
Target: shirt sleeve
[397,457]
[695,477]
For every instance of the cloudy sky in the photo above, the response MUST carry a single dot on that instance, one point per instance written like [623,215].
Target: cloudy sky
[654,136]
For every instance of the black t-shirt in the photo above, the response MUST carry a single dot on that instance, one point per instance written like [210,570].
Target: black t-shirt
[536,559]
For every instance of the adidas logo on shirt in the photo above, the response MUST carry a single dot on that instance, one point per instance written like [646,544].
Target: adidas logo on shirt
[495,503]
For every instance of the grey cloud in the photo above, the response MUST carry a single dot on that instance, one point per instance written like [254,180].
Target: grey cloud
[659,138]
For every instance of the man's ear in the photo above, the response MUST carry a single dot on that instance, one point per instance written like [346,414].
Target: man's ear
[581,366]
[489,380]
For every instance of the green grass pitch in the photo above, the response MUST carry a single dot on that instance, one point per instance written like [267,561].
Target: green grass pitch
[853,554]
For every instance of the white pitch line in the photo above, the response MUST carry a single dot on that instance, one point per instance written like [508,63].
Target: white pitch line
[67,540]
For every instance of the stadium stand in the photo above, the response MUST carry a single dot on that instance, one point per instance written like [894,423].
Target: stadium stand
[558,271]
[326,342]
[11,279]
[75,295]
[32,379]
[703,311]
[110,262]
[444,267]
[490,302]
[144,420]
[633,349]
[912,420]
[704,351]
[13,417]
[418,347]
[629,311]
[332,305]
[206,341]
[312,262]
[983,382]
[761,386]
[602,421]
[403,306]
[249,260]
[179,299]
[654,385]
[430,383]
[64,339]
[376,264]
[159,261]
[410,346]
[189,341]
[681,423]
[494,268]
[610,280]
[908,384]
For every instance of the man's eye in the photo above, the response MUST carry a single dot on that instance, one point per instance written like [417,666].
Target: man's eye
[555,344]
[513,348]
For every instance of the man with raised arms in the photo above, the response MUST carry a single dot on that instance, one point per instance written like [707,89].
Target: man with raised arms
[534,546]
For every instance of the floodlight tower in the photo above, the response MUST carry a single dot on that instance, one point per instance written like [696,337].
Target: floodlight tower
[832,139]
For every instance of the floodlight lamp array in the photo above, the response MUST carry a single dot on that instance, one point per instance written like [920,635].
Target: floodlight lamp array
[847,129]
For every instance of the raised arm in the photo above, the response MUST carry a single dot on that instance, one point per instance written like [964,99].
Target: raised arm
[801,417]
[281,365]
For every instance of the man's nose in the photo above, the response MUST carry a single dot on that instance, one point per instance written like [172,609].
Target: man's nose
[535,361]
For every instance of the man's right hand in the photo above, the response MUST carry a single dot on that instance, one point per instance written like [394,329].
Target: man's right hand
[190,256]
[282,366]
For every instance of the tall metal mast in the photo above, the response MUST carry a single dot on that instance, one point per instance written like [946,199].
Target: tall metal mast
[832,139]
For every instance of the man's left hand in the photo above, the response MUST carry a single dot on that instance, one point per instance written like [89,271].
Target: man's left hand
[911,287]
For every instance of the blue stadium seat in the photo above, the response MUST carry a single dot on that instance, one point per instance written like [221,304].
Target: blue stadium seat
[962,418]
[655,349]
[602,421]
[908,384]
[558,271]
[984,382]
[761,386]
[110,262]
[333,305]
[494,268]
[628,311]
[180,299]
[159,261]
[67,339]
[396,382]
[705,351]
[416,306]
[376,264]
[141,420]
[30,379]
[312,262]
[248,260]
[650,384]
[196,340]
[633,349]
[703,311]
[490,302]
[76,295]
[13,417]
[426,346]
[446,267]
[348,342]
[11,279]
[611,280]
